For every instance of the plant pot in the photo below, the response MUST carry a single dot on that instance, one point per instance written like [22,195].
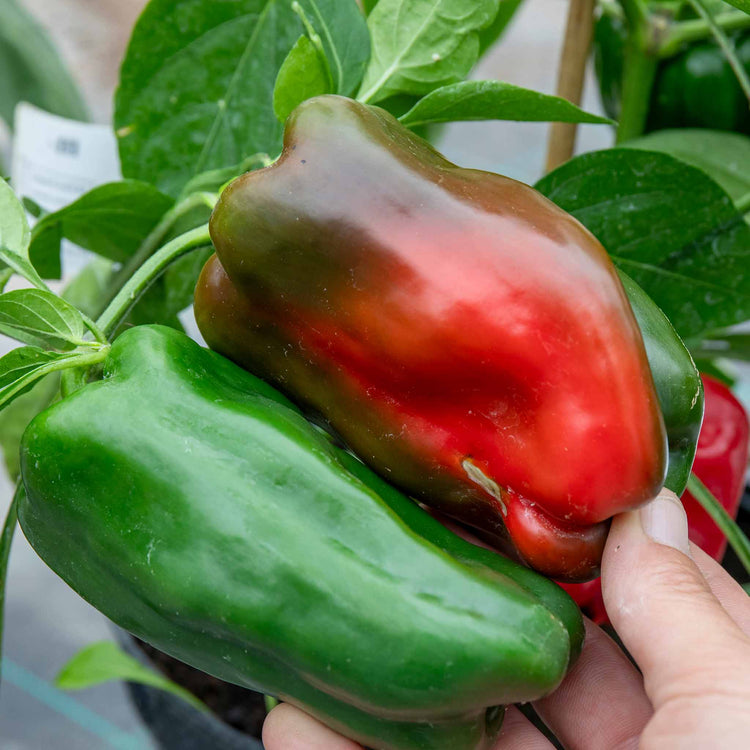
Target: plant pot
[174,723]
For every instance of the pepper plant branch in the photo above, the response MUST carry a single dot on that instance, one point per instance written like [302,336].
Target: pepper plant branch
[736,538]
[156,237]
[636,13]
[727,47]
[578,32]
[639,70]
[6,540]
[683,32]
[154,266]
[94,328]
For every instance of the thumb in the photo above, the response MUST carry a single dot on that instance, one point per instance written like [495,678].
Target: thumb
[662,607]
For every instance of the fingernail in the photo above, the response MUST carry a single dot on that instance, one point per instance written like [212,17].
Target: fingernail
[664,521]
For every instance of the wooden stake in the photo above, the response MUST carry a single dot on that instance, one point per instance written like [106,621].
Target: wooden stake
[578,33]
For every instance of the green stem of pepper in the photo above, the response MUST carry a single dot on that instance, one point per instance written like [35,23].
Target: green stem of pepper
[726,46]
[684,32]
[6,539]
[270,702]
[639,71]
[156,237]
[736,538]
[147,273]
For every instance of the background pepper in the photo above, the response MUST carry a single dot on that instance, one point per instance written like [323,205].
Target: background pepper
[696,88]
[197,508]
[720,463]
[466,337]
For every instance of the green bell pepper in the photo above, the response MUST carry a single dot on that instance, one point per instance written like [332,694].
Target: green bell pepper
[197,508]
[696,88]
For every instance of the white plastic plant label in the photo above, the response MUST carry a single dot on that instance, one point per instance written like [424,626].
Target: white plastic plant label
[56,160]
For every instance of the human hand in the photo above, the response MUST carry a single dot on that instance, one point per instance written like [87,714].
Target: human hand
[684,620]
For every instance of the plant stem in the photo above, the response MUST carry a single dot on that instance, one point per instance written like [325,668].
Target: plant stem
[726,46]
[639,71]
[139,282]
[736,538]
[270,702]
[156,236]
[578,33]
[6,539]
[682,32]
[98,335]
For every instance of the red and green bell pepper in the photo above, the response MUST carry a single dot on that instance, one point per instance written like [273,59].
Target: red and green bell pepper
[466,337]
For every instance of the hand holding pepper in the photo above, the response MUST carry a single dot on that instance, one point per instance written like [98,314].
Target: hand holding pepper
[664,597]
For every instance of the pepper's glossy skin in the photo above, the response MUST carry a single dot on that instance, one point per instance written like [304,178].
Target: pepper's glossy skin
[694,89]
[720,463]
[465,336]
[198,509]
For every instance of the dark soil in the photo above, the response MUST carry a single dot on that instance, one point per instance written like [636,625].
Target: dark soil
[242,709]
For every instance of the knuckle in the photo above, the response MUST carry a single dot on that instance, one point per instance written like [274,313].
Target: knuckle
[674,574]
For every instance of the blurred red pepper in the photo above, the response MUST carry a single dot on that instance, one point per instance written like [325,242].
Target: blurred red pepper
[720,463]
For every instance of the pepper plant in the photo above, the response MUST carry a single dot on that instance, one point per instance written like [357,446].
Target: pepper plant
[205,90]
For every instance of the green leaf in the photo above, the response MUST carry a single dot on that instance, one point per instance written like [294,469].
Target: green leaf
[196,85]
[5,276]
[213,180]
[21,368]
[739,543]
[86,292]
[21,266]
[726,345]
[303,74]
[32,207]
[111,220]
[493,100]
[106,661]
[41,318]
[723,156]
[420,45]
[667,225]
[741,4]
[368,5]
[14,228]
[345,37]
[17,415]
[31,69]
